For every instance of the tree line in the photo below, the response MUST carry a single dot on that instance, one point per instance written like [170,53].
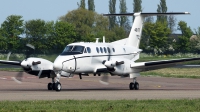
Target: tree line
[84,24]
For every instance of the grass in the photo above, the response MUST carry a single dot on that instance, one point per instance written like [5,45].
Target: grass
[184,105]
[11,69]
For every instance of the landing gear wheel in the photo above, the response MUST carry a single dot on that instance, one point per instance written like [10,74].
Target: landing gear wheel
[53,86]
[50,86]
[58,86]
[136,86]
[131,86]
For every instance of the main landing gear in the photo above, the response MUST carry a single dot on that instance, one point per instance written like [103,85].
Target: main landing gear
[55,85]
[134,85]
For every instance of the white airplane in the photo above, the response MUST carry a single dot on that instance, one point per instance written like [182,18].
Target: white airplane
[116,58]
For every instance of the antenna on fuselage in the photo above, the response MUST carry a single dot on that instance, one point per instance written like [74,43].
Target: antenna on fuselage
[97,40]
[104,41]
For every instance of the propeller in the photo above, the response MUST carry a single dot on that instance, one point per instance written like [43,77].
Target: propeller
[30,50]
[18,77]
[110,64]
[105,78]
[24,64]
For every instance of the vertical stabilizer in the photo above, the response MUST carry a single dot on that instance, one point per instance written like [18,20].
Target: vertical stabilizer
[136,31]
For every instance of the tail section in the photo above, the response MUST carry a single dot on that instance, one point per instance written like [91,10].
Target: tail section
[136,30]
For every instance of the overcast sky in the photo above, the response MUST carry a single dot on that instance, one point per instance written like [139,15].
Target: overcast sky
[49,10]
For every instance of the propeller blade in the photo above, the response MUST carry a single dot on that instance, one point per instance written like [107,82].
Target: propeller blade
[104,79]
[30,46]
[40,72]
[18,77]
[29,51]
[8,57]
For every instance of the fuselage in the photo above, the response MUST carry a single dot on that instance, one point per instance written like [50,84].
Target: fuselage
[89,57]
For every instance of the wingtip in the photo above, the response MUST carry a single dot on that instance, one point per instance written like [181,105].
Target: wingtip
[187,12]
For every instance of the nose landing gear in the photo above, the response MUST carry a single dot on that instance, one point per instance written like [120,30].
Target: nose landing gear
[55,85]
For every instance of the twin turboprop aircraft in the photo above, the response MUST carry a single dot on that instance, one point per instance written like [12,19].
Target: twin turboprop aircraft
[116,58]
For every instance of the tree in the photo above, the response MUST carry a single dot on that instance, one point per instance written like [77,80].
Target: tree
[35,32]
[12,29]
[90,25]
[183,44]
[123,20]
[83,20]
[3,42]
[196,39]
[172,23]
[50,35]
[137,6]
[82,5]
[62,34]
[197,32]
[185,30]
[156,35]
[91,5]
[162,8]
[112,9]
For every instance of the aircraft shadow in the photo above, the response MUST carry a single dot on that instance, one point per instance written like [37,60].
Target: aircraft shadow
[96,89]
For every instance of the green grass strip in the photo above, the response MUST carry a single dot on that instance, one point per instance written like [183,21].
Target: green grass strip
[184,105]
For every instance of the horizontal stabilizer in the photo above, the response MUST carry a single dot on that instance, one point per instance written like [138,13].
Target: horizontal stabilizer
[147,14]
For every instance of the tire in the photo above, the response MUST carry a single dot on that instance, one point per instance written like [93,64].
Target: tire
[136,86]
[49,86]
[131,86]
[58,86]
[53,86]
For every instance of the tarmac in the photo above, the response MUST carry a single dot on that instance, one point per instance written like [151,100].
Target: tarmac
[89,88]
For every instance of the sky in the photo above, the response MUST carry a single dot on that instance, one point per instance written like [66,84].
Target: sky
[51,10]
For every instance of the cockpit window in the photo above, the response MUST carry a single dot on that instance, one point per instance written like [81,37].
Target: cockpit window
[68,49]
[77,49]
[72,50]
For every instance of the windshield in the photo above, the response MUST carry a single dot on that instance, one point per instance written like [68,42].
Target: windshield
[72,50]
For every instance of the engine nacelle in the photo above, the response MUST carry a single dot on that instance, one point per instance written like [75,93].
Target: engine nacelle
[113,62]
[110,64]
[121,66]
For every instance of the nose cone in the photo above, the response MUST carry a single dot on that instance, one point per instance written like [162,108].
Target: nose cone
[24,63]
[57,65]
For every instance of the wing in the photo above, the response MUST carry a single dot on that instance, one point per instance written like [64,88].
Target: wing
[10,62]
[153,65]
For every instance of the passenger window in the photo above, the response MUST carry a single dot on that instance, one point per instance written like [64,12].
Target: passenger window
[101,50]
[105,50]
[97,49]
[113,49]
[108,49]
[88,49]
